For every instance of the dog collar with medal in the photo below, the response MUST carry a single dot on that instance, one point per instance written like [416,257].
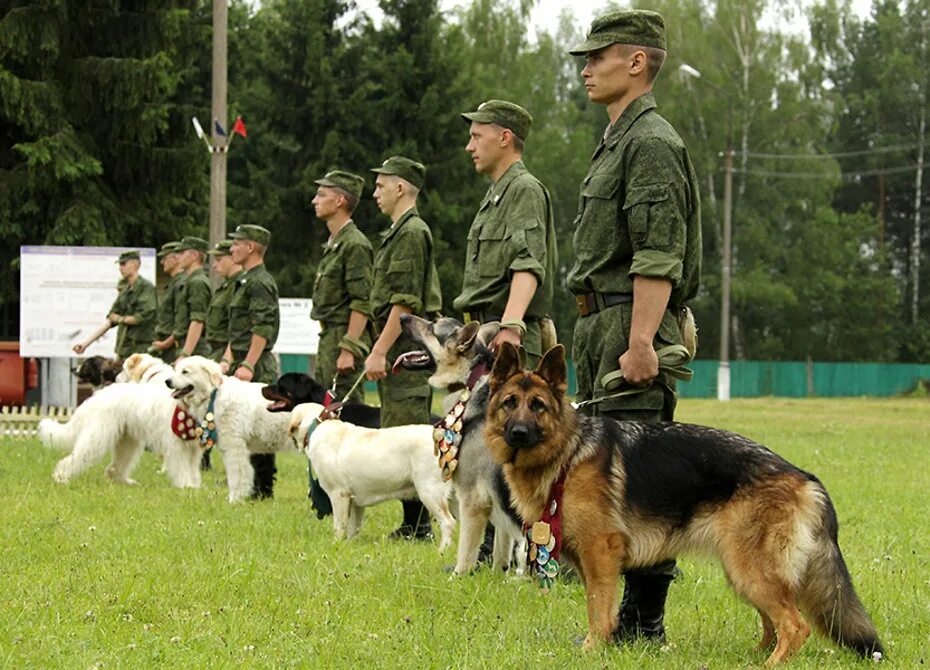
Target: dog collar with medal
[188,427]
[544,538]
[447,436]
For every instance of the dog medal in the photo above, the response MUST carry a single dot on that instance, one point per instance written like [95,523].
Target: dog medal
[541,533]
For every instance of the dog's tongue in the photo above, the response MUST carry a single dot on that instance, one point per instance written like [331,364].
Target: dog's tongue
[400,360]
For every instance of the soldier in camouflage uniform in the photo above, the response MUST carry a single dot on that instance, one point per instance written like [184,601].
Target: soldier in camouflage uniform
[254,321]
[218,314]
[512,255]
[637,249]
[342,286]
[404,281]
[193,300]
[164,346]
[133,312]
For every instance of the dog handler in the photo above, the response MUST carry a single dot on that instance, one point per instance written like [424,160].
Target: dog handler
[218,313]
[342,286]
[165,347]
[404,281]
[254,321]
[637,245]
[133,312]
[511,253]
[193,299]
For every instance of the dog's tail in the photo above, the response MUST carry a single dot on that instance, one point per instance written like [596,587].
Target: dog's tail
[55,435]
[827,595]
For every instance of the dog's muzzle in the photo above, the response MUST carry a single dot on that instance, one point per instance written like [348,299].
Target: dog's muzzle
[413,360]
[521,435]
[179,392]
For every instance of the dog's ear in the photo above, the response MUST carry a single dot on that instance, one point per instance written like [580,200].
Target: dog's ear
[488,332]
[552,369]
[216,374]
[506,365]
[465,338]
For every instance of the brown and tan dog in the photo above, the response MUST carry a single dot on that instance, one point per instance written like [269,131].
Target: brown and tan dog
[638,494]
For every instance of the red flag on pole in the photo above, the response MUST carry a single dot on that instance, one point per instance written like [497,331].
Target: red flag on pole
[239,127]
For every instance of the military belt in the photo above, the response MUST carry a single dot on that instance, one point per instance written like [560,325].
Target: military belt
[592,303]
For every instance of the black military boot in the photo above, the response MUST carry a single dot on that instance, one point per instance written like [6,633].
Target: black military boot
[642,609]
[263,483]
[416,524]
[205,460]
[320,502]
[486,550]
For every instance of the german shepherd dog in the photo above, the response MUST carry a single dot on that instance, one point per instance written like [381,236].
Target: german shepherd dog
[638,494]
[460,357]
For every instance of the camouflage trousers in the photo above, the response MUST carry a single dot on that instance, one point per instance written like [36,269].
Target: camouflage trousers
[326,357]
[599,340]
[405,397]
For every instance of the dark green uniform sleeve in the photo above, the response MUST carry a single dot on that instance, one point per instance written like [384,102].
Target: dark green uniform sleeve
[406,271]
[198,299]
[358,263]
[657,203]
[263,309]
[529,214]
[146,304]
[181,312]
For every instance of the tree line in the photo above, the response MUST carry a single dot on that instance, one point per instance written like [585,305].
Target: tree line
[827,125]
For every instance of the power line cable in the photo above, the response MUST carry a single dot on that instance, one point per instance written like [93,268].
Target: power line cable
[842,154]
[825,175]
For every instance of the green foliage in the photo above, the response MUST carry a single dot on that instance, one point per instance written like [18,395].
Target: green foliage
[148,576]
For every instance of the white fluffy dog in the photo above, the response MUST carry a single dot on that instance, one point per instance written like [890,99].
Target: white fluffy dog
[144,369]
[359,467]
[243,423]
[120,420]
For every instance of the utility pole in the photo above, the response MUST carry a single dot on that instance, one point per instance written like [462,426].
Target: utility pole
[218,154]
[723,372]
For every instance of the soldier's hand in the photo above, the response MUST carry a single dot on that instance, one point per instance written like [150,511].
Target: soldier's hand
[345,363]
[243,373]
[78,348]
[224,366]
[113,317]
[376,366]
[640,364]
[505,335]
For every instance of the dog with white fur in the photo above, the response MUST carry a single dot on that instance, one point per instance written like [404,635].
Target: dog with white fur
[360,467]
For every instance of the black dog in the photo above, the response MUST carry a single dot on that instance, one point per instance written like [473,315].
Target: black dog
[295,388]
[98,371]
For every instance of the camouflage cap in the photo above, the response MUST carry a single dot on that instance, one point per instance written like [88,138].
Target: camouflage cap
[344,181]
[222,248]
[132,255]
[251,232]
[168,248]
[635,26]
[195,243]
[506,114]
[404,168]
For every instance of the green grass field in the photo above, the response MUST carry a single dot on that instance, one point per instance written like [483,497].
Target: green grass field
[97,575]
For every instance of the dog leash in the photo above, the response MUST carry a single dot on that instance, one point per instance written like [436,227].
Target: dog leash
[672,361]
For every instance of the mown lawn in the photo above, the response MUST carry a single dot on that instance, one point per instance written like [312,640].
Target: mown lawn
[96,575]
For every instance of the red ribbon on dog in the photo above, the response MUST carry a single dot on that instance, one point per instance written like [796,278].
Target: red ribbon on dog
[183,424]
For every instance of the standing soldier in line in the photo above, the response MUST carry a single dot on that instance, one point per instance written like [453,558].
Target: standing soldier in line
[133,311]
[637,255]
[404,282]
[193,299]
[165,347]
[512,255]
[218,314]
[342,286]
[254,321]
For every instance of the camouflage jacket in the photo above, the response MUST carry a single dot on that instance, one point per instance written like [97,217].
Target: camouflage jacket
[639,211]
[138,300]
[404,270]
[217,322]
[343,278]
[165,324]
[253,309]
[513,231]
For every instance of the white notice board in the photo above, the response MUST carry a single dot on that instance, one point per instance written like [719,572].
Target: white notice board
[66,294]
[299,334]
